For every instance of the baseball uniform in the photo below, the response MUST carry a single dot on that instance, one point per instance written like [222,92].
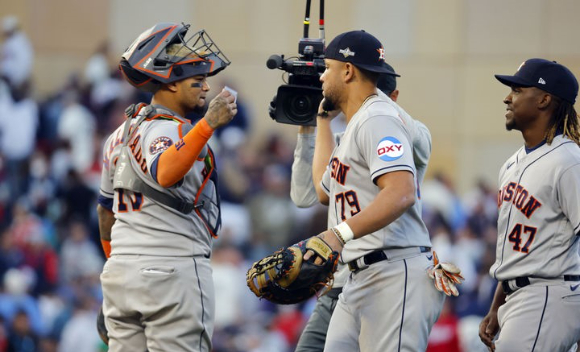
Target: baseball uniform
[157,284]
[303,194]
[392,304]
[537,257]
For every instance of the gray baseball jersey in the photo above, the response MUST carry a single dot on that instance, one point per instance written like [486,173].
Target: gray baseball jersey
[538,239]
[158,289]
[376,141]
[539,221]
[302,189]
[304,194]
[144,226]
[392,304]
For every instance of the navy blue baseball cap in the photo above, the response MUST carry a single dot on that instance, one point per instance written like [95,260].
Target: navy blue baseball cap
[387,83]
[546,75]
[361,49]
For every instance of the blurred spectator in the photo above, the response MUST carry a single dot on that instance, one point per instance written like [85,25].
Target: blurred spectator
[16,53]
[272,212]
[97,68]
[3,335]
[43,261]
[77,126]
[80,333]
[21,338]
[18,125]
[444,336]
[16,299]
[78,198]
[230,287]
[79,256]
[439,195]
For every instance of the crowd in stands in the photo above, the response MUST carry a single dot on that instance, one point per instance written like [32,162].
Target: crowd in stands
[50,255]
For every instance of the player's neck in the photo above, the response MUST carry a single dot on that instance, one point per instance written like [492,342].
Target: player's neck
[160,99]
[357,99]
[535,134]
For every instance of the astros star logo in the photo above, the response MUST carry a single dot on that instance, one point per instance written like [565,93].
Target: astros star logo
[381,53]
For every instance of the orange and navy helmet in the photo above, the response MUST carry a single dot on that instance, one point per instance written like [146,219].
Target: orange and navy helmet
[161,55]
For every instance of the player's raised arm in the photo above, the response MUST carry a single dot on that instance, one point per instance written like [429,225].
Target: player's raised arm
[302,190]
[323,150]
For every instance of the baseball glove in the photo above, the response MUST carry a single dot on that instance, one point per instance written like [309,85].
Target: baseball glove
[445,276]
[101,328]
[285,278]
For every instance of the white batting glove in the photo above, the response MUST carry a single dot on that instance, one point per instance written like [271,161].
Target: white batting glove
[445,276]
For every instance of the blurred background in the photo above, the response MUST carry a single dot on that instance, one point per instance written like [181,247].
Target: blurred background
[61,94]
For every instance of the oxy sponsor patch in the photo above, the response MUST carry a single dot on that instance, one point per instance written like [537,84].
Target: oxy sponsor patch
[160,144]
[389,149]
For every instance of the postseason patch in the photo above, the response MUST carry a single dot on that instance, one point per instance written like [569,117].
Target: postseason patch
[160,144]
[389,149]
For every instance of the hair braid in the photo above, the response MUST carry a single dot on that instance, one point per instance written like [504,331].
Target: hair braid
[565,121]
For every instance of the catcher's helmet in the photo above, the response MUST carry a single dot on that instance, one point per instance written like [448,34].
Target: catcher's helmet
[148,63]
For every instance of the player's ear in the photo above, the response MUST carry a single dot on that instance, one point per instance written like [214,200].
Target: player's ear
[545,100]
[171,86]
[348,71]
[394,95]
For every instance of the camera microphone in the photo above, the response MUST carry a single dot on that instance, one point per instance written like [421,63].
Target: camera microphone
[274,61]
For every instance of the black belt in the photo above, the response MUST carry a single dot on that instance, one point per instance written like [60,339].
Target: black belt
[334,292]
[378,256]
[524,281]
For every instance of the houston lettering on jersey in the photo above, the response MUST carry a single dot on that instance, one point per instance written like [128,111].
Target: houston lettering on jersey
[135,147]
[517,195]
[116,141]
[338,170]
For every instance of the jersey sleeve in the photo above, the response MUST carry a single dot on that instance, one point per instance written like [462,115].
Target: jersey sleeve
[421,144]
[160,136]
[569,194]
[106,191]
[302,191]
[385,145]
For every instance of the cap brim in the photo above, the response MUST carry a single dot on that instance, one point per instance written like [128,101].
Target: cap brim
[378,69]
[512,81]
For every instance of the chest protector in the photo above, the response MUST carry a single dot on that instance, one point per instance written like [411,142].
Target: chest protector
[207,200]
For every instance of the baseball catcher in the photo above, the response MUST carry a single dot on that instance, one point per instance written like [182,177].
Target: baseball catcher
[286,277]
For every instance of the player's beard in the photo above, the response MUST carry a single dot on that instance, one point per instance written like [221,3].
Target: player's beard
[328,104]
[200,109]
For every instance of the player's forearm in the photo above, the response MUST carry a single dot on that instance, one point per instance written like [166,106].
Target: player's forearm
[391,202]
[302,190]
[498,299]
[106,222]
[176,161]
[323,148]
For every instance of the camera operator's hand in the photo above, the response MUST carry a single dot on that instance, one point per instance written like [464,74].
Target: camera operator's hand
[326,115]
[221,110]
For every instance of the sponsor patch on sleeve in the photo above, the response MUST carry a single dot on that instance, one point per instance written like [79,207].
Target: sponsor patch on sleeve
[389,149]
[160,144]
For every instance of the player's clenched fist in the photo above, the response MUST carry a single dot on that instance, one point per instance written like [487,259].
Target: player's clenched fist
[222,110]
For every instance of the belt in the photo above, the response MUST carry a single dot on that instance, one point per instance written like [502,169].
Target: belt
[384,254]
[334,292]
[511,286]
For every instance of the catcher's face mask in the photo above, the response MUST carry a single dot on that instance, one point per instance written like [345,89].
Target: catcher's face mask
[161,55]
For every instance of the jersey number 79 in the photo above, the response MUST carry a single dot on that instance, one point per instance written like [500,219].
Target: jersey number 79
[349,198]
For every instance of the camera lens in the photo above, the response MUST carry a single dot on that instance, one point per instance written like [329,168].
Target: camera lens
[300,108]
